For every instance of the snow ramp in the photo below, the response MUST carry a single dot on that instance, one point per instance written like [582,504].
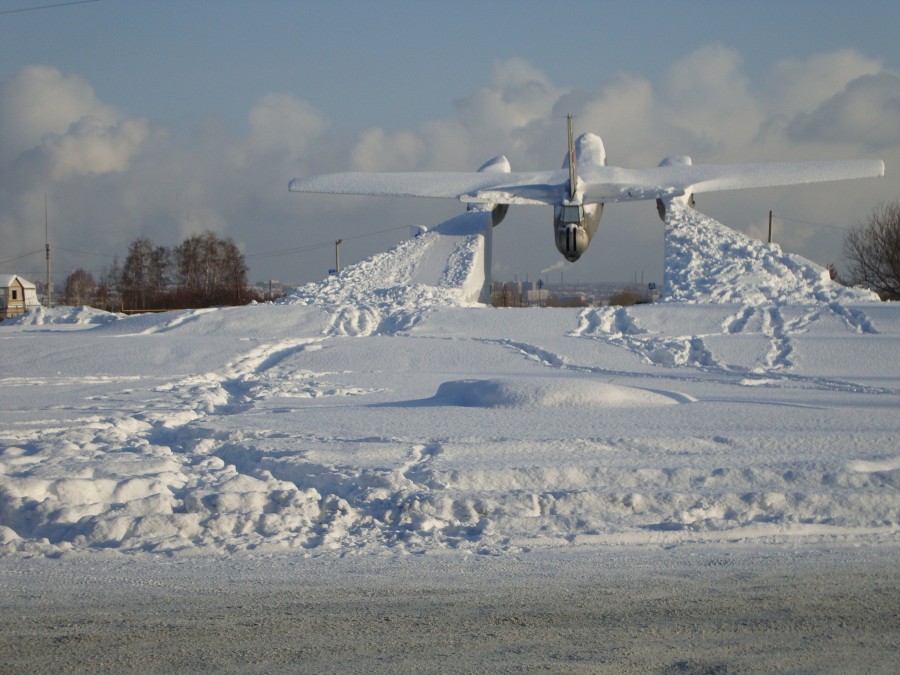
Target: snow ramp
[707,262]
[446,266]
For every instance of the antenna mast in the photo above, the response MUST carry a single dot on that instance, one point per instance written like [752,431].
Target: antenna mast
[47,244]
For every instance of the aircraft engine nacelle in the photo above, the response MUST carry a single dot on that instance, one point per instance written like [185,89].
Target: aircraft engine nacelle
[674,160]
[498,164]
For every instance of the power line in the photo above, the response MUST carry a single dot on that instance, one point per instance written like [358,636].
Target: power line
[261,254]
[310,247]
[58,4]
[77,250]
[19,257]
[809,222]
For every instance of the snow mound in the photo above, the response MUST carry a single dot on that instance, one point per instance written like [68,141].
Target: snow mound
[706,261]
[390,292]
[551,393]
[40,316]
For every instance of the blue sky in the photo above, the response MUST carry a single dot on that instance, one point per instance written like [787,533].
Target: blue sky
[175,87]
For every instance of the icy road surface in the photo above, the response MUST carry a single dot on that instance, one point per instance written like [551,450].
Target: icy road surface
[712,609]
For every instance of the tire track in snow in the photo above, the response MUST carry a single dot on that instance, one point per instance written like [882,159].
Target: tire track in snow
[252,377]
[855,319]
[353,321]
[164,485]
[684,355]
[737,323]
[607,323]
[619,328]
[416,470]
[780,347]
[780,334]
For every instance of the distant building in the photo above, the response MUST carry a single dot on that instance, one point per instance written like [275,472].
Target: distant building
[536,296]
[273,288]
[17,295]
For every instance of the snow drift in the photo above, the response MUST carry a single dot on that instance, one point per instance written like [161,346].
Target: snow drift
[545,392]
[736,411]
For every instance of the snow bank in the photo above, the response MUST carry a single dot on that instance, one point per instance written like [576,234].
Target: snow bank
[706,261]
[40,316]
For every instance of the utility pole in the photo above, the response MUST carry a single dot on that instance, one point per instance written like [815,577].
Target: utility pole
[770,227]
[337,256]
[47,243]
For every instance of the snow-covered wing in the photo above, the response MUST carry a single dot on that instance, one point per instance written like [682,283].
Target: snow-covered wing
[541,187]
[614,184]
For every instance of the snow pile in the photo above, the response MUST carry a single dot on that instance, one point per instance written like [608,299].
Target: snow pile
[391,291]
[544,392]
[709,262]
[41,316]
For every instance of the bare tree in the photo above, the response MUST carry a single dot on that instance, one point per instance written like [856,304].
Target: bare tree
[188,262]
[873,249]
[234,267]
[203,270]
[211,270]
[159,270]
[136,282]
[106,292]
[79,287]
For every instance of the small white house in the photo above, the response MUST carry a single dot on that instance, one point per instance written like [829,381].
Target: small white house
[16,296]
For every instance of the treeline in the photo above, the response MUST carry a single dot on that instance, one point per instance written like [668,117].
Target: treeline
[873,249]
[203,271]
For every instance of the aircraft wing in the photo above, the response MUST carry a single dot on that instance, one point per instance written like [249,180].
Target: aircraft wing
[614,184]
[596,183]
[539,187]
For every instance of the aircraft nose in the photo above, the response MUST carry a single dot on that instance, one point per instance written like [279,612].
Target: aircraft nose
[571,241]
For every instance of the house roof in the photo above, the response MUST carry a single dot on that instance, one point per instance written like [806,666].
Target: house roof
[6,281]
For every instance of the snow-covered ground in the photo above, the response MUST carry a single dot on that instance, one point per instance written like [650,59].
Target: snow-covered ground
[374,415]
[444,426]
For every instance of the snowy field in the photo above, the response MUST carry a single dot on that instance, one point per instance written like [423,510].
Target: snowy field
[378,418]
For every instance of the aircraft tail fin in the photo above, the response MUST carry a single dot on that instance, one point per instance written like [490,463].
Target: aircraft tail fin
[573,175]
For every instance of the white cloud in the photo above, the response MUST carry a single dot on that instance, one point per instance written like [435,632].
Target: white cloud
[284,124]
[709,97]
[509,113]
[52,126]
[92,147]
[801,85]
[40,100]
[377,150]
[866,112]
[197,220]
[116,177]
[626,112]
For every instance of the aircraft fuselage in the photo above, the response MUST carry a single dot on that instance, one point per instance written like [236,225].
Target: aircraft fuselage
[575,223]
[574,227]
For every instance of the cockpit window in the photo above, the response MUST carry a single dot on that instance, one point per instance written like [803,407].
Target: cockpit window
[571,213]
